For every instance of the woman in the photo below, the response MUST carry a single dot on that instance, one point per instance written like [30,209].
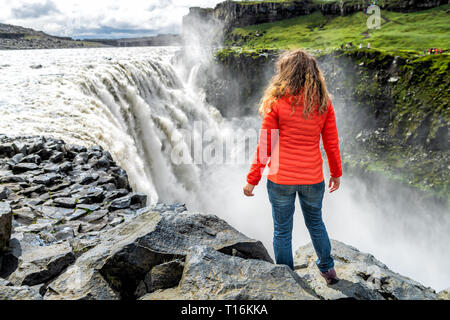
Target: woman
[297,110]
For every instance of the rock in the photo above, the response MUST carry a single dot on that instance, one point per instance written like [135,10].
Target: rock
[18,293]
[5,225]
[362,276]
[39,226]
[65,202]
[24,167]
[138,200]
[125,254]
[45,153]
[60,186]
[97,215]
[121,178]
[444,294]
[88,178]
[42,264]
[90,195]
[39,189]
[211,275]
[6,150]
[163,276]
[12,179]
[54,212]
[36,146]
[20,147]
[114,194]
[116,221]
[16,159]
[24,215]
[88,207]
[32,158]
[46,179]
[51,168]
[4,193]
[106,180]
[57,157]
[102,163]
[80,158]
[65,167]
[78,213]
[65,233]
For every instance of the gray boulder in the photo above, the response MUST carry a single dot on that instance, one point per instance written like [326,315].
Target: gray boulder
[125,254]
[18,293]
[361,275]
[65,202]
[24,167]
[444,294]
[41,264]
[163,276]
[138,200]
[5,225]
[211,275]
[4,193]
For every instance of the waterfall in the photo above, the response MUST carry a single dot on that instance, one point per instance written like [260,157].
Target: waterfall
[136,107]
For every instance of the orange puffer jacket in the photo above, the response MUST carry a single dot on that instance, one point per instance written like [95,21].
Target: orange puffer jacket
[293,145]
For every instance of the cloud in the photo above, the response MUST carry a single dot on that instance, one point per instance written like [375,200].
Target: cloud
[100,18]
[34,10]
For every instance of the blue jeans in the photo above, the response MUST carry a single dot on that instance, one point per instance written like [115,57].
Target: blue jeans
[282,197]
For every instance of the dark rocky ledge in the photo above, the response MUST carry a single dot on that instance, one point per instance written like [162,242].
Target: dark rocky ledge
[72,228]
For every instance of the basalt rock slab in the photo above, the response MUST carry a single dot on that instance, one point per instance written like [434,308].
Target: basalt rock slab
[18,293]
[5,225]
[41,264]
[211,275]
[163,276]
[4,193]
[444,294]
[361,275]
[124,256]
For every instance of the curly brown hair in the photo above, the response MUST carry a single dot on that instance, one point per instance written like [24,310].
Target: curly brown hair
[299,76]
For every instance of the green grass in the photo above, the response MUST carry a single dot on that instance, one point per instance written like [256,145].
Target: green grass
[399,31]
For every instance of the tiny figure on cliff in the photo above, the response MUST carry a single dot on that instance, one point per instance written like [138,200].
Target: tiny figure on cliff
[368,45]
[360,45]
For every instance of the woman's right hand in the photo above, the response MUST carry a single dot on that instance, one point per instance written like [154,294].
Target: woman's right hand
[334,184]
[248,190]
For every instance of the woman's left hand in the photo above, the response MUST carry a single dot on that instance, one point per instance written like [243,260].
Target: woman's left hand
[248,190]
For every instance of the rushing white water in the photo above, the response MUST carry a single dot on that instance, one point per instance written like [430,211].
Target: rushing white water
[137,105]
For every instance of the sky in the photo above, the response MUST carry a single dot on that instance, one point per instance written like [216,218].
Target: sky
[84,19]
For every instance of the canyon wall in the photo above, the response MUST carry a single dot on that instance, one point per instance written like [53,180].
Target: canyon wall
[234,14]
